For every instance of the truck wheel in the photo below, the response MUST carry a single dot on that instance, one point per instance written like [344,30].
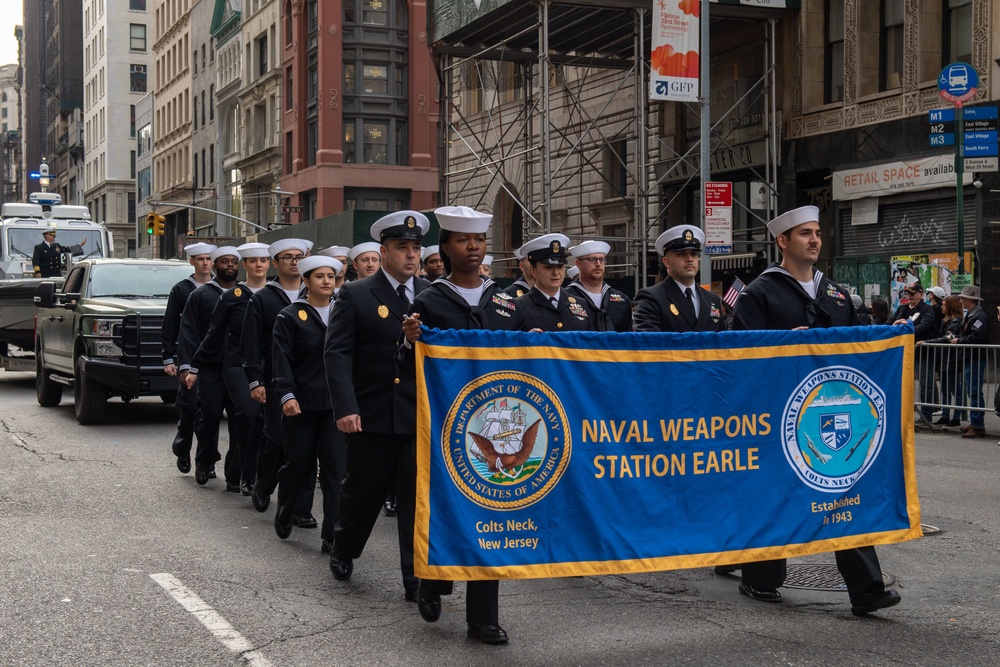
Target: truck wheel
[48,392]
[90,397]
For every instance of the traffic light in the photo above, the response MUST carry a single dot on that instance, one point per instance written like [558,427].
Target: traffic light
[154,223]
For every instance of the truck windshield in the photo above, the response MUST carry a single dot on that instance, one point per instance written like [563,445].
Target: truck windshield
[22,241]
[152,280]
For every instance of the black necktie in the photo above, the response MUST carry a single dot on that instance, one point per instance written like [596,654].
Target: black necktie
[690,298]
[401,290]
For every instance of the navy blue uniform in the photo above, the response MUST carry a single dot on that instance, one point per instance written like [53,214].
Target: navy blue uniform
[614,312]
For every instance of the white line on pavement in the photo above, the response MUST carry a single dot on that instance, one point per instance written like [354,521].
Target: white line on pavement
[211,619]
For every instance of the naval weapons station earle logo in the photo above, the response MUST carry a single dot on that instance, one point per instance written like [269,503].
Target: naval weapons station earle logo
[506,440]
[833,427]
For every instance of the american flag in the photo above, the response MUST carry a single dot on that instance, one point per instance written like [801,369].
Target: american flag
[734,292]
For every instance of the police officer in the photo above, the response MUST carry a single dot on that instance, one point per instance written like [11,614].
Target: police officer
[925,326]
[547,306]
[462,300]
[523,284]
[677,303]
[258,325]
[975,331]
[374,404]
[610,309]
[200,257]
[223,340]
[211,395]
[366,258]
[47,255]
[432,263]
[308,429]
[793,294]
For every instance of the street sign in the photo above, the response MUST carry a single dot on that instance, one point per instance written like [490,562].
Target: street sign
[946,139]
[981,164]
[958,83]
[981,150]
[719,218]
[958,281]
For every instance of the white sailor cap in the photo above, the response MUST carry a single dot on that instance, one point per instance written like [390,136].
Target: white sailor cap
[546,249]
[401,225]
[680,237]
[196,249]
[590,248]
[224,251]
[462,219]
[517,254]
[794,218]
[487,260]
[51,229]
[428,251]
[313,262]
[362,248]
[572,272]
[301,245]
[253,250]
[335,251]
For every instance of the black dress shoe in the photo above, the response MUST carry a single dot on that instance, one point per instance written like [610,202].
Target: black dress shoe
[184,464]
[869,602]
[389,506]
[341,568]
[953,422]
[487,634]
[282,530]
[304,521]
[246,488]
[726,569]
[201,475]
[232,488]
[429,606]
[259,502]
[941,422]
[326,546]
[211,473]
[758,594]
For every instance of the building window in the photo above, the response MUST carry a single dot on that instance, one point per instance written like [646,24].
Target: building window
[131,120]
[132,164]
[288,23]
[892,44]
[615,161]
[203,108]
[261,47]
[958,31]
[211,163]
[137,37]
[194,166]
[194,63]
[834,76]
[375,199]
[137,78]
[211,102]
[137,5]
[289,90]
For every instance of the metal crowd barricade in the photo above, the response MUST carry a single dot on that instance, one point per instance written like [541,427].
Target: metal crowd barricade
[945,376]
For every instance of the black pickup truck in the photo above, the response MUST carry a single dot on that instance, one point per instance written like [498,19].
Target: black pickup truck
[100,334]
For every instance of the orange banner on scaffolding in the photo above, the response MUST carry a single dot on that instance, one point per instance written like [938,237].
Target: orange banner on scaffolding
[674,60]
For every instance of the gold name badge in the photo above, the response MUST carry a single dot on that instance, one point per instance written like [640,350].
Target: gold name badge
[673,309]
[383,312]
[302,315]
[237,292]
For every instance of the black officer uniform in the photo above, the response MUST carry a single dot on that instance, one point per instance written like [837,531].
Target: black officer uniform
[186,402]
[572,313]
[299,337]
[223,340]
[776,301]
[664,307]
[614,312]
[258,325]
[517,288]
[442,307]
[210,389]
[363,378]
[46,258]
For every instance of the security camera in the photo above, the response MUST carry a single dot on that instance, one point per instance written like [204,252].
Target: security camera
[978,184]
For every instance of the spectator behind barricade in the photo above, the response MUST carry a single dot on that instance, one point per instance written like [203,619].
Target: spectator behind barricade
[949,362]
[975,332]
[925,327]
[864,315]
[935,296]
[879,312]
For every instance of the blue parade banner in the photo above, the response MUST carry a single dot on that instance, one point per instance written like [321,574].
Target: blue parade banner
[562,454]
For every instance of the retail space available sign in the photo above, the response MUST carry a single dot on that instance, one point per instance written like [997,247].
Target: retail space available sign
[719,218]
[895,177]
[674,61]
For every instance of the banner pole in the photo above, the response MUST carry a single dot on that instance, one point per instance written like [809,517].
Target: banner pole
[706,132]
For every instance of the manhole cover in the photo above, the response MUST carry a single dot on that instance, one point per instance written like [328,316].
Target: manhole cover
[821,577]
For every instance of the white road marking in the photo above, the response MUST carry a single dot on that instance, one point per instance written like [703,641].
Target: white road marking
[220,628]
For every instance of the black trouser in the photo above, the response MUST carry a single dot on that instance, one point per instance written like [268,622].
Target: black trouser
[271,455]
[482,598]
[187,410]
[309,436]
[376,462]
[249,418]
[212,400]
[859,568]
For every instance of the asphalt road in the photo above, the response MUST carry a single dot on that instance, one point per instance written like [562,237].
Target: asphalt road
[109,556]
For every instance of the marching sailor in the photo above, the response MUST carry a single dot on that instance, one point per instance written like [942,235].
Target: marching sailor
[547,306]
[610,309]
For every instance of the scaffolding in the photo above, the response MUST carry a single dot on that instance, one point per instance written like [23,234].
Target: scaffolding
[509,143]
